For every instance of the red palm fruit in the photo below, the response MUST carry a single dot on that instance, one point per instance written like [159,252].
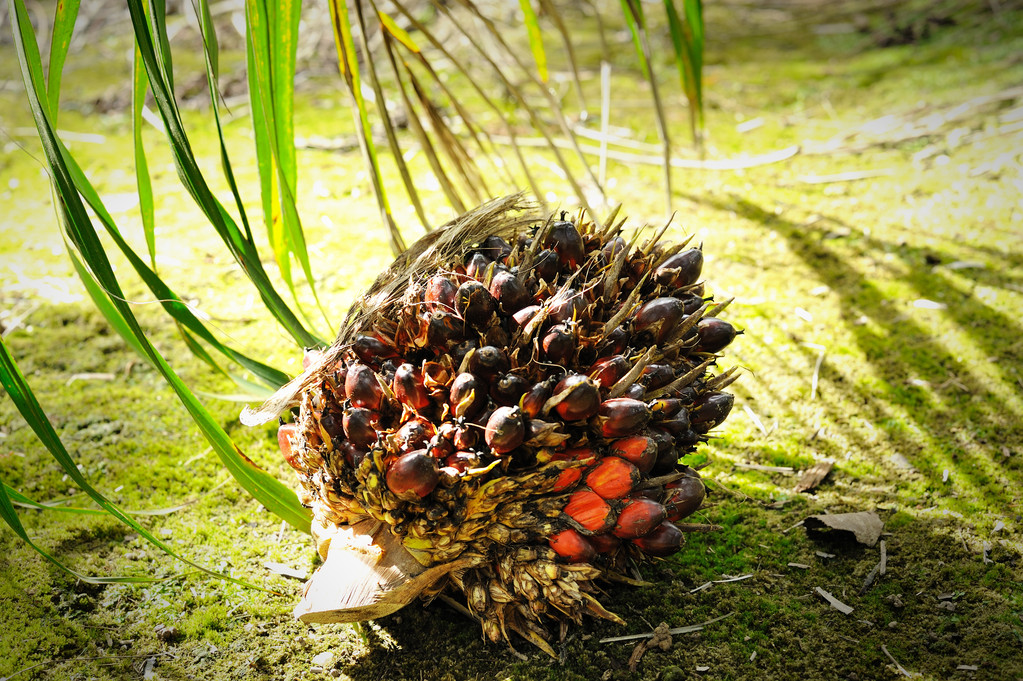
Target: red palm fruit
[575,454]
[439,447]
[362,387]
[660,317]
[615,342]
[690,302]
[442,329]
[332,425]
[559,344]
[477,265]
[566,305]
[567,243]
[665,407]
[495,248]
[409,388]
[710,409]
[353,455]
[677,424]
[572,546]
[639,450]
[468,396]
[412,476]
[663,438]
[533,401]
[440,294]
[459,352]
[462,461]
[577,397]
[285,433]
[567,478]
[714,334]
[546,265]
[608,371]
[667,460]
[657,375]
[613,248]
[508,390]
[605,543]
[415,433]
[309,356]
[681,269]
[473,303]
[505,430]
[372,350]
[525,315]
[613,477]
[664,540]
[637,518]
[511,295]
[465,438]
[588,509]
[621,416]
[683,497]
[361,427]
[636,391]
[337,381]
[488,362]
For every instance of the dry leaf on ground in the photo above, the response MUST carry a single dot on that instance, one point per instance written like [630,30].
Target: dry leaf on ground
[866,526]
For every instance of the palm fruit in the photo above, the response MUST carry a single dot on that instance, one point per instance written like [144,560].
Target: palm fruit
[503,415]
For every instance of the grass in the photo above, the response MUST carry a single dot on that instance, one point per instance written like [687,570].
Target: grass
[905,392]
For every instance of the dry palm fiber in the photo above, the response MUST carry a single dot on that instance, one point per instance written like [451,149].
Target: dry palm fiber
[503,415]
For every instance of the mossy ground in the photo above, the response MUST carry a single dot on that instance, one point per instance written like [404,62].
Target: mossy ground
[919,404]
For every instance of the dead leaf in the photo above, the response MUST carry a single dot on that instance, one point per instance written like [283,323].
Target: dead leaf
[813,476]
[866,526]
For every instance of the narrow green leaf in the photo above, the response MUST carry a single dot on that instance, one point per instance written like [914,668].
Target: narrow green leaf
[396,31]
[158,19]
[272,42]
[241,247]
[169,300]
[694,21]
[63,27]
[633,12]
[102,302]
[269,491]
[19,499]
[688,50]
[139,88]
[10,516]
[535,38]
[25,401]
[211,50]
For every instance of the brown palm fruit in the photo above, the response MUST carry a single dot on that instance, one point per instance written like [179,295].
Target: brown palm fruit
[505,415]
[684,496]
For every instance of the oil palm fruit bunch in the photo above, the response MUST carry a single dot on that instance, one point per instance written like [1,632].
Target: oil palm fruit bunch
[503,415]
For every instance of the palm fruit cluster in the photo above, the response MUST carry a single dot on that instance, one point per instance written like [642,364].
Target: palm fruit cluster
[519,403]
